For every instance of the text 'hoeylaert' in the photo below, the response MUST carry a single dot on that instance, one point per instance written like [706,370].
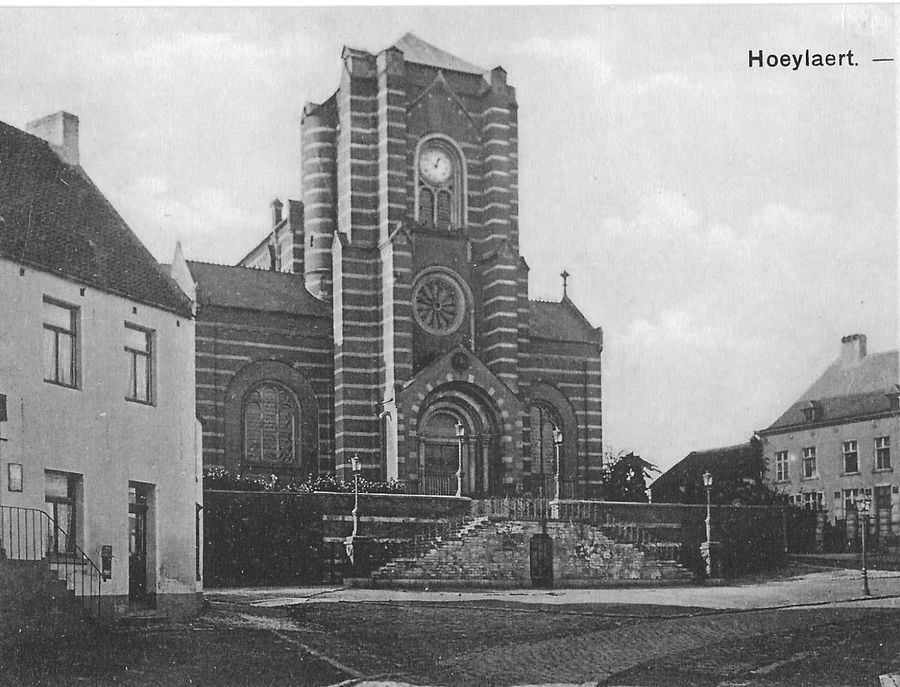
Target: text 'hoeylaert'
[802,59]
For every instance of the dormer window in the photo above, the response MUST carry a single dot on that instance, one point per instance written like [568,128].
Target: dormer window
[440,188]
[894,398]
[812,411]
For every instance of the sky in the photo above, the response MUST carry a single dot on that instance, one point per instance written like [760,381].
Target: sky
[724,225]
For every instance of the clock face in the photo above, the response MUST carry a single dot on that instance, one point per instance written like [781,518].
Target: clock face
[435,165]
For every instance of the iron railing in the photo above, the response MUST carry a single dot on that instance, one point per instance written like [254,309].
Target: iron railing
[432,483]
[27,534]
[513,508]
[547,486]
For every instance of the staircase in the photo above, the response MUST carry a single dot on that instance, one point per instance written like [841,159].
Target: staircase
[411,567]
[31,583]
[491,550]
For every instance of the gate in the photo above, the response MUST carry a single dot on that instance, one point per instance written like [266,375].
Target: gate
[541,550]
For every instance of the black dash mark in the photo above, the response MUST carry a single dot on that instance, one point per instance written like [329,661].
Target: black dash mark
[882,59]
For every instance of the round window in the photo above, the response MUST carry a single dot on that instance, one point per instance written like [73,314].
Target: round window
[438,304]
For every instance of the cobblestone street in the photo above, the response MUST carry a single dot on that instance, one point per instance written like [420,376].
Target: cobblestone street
[318,637]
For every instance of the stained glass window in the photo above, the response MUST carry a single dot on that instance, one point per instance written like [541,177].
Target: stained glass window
[270,425]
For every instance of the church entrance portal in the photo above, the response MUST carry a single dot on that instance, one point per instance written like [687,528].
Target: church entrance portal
[440,447]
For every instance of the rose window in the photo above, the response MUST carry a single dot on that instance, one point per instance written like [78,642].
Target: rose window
[438,304]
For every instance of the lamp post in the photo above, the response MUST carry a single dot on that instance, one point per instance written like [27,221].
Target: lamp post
[460,436]
[348,542]
[557,445]
[707,483]
[863,503]
[709,550]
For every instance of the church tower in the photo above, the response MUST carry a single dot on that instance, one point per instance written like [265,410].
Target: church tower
[408,232]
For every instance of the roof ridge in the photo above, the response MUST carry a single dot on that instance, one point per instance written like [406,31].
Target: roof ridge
[543,300]
[420,51]
[243,267]
[744,444]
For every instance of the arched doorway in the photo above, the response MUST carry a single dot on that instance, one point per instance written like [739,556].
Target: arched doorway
[440,449]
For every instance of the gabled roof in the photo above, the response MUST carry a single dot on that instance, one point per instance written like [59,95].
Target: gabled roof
[53,218]
[418,51]
[254,289]
[683,483]
[560,321]
[845,392]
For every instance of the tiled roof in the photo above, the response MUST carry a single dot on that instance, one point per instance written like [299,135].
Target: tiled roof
[848,391]
[559,321]
[682,483]
[52,217]
[418,51]
[254,289]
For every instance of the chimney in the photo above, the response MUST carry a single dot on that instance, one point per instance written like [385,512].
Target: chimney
[277,205]
[853,349]
[60,130]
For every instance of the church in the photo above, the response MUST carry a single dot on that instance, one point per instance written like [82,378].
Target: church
[385,316]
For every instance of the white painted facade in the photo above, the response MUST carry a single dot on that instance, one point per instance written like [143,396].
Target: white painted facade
[95,433]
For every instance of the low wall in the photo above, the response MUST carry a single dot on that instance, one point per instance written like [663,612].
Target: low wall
[272,538]
[753,537]
[277,538]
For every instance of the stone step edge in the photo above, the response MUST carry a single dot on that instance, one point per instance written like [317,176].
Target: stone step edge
[484,583]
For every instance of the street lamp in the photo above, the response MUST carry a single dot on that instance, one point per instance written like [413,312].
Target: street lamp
[707,483]
[348,542]
[557,445]
[863,503]
[460,436]
[709,550]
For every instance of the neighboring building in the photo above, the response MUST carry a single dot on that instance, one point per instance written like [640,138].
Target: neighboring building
[403,306]
[97,371]
[841,437]
[737,472]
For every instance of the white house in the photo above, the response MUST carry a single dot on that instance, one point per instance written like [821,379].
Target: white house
[97,370]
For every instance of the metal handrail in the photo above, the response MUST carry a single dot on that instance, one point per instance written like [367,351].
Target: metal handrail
[513,508]
[26,534]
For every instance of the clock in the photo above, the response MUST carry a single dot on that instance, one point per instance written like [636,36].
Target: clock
[435,165]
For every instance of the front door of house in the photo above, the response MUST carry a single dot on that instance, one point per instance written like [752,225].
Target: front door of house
[137,543]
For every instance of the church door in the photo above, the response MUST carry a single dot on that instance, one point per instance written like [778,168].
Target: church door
[440,452]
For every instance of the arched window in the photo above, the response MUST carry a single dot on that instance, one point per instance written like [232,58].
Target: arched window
[440,190]
[426,207]
[271,425]
[544,419]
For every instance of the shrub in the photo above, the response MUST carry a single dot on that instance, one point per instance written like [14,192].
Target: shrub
[221,479]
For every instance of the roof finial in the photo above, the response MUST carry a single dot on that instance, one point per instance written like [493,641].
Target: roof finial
[565,275]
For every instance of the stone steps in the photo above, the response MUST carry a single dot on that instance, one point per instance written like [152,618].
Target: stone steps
[32,596]
[495,552]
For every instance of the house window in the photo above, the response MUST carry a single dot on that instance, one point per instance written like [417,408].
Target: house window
[882,453]
[61,494]
[850,496]
[139,358]
[813,500]
[851,456]
[781,466]
[60,343]
[809,461]
[271,425]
